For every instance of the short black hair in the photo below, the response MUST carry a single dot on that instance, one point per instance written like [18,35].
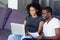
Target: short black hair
[49,9]
[36,6]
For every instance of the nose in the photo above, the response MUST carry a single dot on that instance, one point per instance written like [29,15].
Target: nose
[43,16]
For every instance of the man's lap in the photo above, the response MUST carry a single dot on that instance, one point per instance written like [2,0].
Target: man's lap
[35,39]
[29,39]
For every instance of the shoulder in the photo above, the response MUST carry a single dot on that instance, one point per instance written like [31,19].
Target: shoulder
[28,18]
[56,23]
[56,19]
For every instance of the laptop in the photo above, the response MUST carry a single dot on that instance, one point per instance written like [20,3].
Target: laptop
[17,29]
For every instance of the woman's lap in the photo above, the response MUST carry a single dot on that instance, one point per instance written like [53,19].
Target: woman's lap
[14,37]
[18,37]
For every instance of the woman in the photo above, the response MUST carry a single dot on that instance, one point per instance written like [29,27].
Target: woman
[33,22]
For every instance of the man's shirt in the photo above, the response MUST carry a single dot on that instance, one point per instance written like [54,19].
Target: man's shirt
[49,28]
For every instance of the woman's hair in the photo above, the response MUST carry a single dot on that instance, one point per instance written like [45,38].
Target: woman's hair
[36,6]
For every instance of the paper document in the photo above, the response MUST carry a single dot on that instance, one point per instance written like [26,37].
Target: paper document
[35,34]
[25,37]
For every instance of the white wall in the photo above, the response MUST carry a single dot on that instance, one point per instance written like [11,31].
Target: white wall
[18,4]
[13,4]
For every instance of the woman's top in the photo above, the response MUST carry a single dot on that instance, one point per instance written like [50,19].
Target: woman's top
[32,23]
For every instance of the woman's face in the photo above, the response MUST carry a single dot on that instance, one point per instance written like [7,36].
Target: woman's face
[33,11]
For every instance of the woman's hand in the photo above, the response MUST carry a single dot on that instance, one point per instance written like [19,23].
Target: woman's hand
[28,34]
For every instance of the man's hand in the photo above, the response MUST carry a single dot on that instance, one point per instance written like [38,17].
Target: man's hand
[39,37]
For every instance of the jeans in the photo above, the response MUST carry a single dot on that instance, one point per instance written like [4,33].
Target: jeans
[17,37]
[29,39]
[14,37]
[34,39]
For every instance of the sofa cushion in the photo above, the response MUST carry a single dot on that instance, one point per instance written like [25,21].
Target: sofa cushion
[15,17]
[3,14]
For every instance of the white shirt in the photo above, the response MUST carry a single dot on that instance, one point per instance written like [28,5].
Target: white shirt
[49,28]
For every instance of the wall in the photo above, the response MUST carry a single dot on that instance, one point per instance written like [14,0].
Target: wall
[45,3]
[22,4]
[18,4]
[13,4]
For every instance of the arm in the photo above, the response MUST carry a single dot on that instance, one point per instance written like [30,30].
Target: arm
[40,26]
[25,27]
[25,23]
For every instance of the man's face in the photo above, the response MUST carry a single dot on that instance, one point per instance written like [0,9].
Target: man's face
[45,14]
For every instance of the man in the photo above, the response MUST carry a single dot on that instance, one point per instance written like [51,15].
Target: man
[51,28]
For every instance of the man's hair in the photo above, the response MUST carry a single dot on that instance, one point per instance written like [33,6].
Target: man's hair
[48,9]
